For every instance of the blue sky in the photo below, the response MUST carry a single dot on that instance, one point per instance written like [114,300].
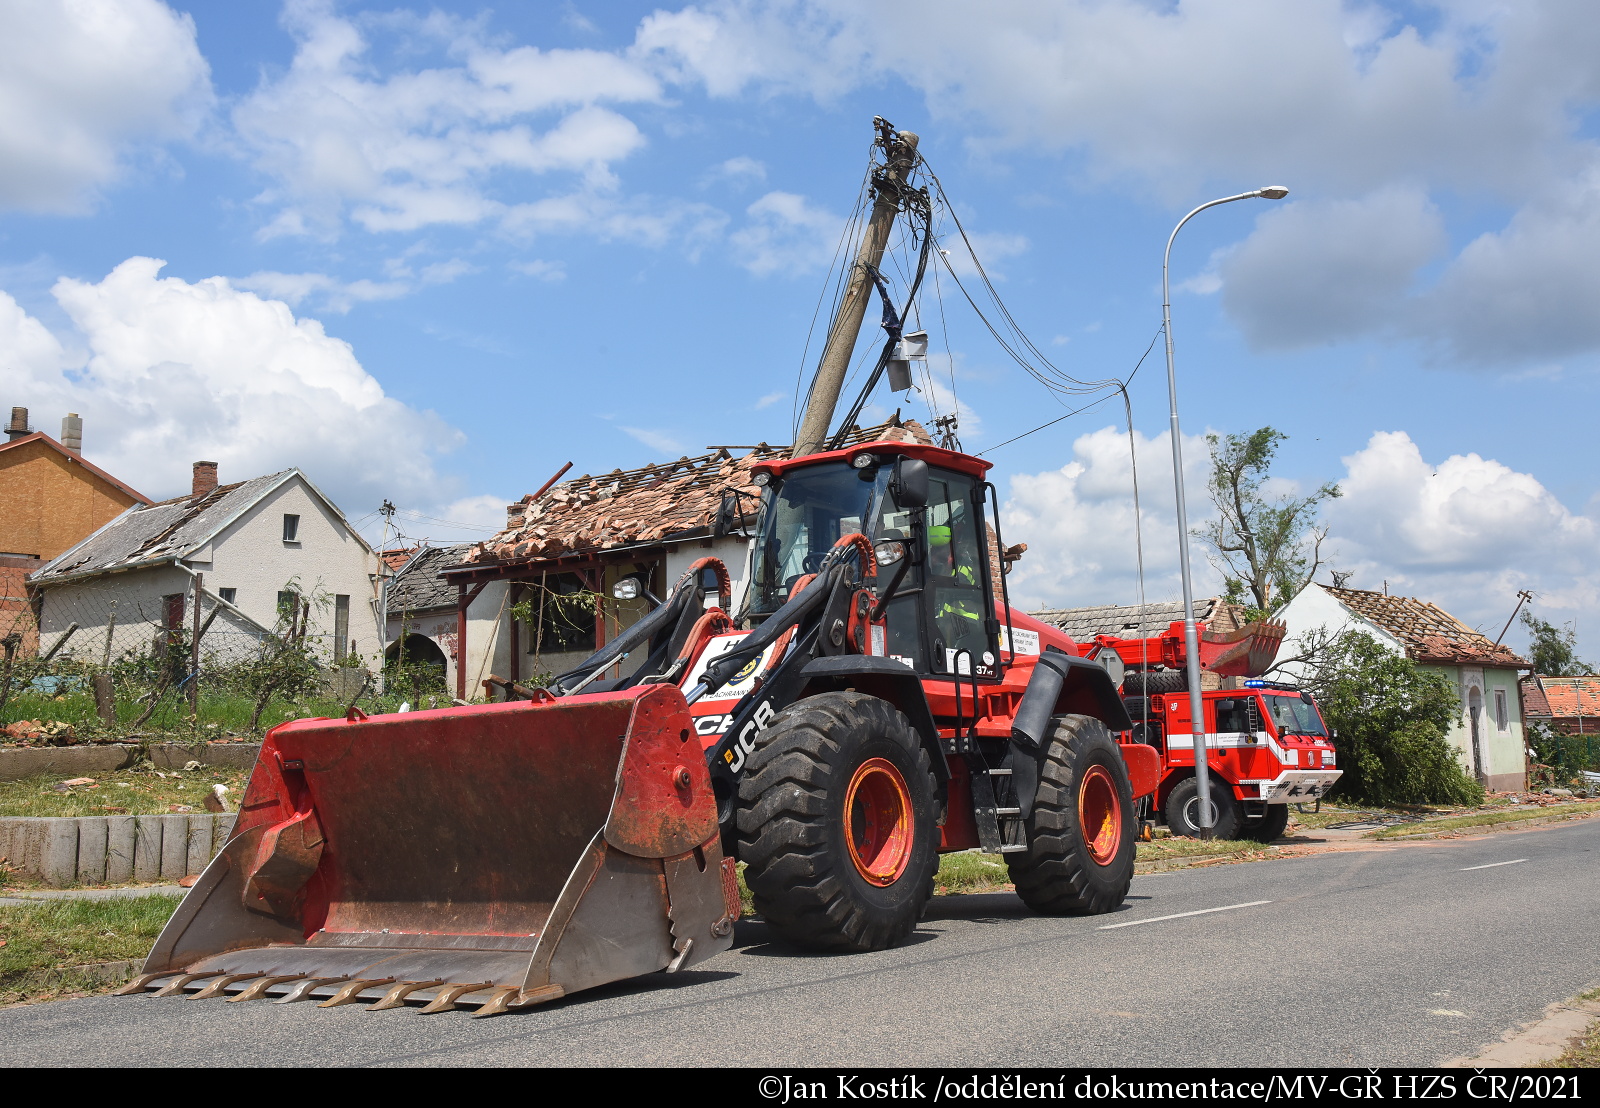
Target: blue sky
[433,252]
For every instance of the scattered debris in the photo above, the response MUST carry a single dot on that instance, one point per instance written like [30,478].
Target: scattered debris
[191,765]
[217,799]
[179,808]
[79,781]
[188,882]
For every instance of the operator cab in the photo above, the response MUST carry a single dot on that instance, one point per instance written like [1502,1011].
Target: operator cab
[913,503]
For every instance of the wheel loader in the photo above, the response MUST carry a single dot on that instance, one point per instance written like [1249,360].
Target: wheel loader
[880,706]
[876,704]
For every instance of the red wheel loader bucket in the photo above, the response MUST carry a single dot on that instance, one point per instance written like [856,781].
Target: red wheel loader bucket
[494,856]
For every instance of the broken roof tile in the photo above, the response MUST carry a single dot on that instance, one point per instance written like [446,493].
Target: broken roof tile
[1429,633]
[650,503]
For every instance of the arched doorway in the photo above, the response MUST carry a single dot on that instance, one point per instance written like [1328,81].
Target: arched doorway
[416,665]
[1480,763]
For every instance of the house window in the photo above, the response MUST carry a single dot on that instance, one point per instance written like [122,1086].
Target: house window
[288,604]
[1502,720]
[230,595]
[563,615]
[291,528]
[341,625]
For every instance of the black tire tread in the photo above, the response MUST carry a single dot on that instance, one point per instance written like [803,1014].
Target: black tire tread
[1054,877]
[791,867]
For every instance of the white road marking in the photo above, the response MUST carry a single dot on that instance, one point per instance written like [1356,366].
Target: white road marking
[1181,915]
[1491,865]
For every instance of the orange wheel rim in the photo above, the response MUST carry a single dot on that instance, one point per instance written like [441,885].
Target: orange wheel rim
[1100,815]
[877,821]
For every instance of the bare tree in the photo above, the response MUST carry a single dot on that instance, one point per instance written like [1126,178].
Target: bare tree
[1267,548]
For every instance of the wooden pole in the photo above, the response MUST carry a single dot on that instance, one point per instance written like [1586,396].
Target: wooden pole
[194,647]
[846,327]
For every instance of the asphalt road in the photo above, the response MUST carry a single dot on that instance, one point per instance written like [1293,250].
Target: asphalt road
[1405,956]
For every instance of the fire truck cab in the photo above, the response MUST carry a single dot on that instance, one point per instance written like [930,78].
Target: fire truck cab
[1266,747]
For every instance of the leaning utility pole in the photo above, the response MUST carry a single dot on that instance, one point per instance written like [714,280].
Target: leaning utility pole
[900,150]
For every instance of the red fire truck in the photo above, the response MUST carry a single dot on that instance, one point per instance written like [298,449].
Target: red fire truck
[1267,746]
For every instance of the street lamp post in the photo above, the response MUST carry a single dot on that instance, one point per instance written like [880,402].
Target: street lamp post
[1191,638]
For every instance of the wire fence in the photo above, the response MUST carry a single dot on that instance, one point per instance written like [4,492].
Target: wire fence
[97,662]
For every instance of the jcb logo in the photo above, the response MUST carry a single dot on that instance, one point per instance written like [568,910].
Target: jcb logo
[736,754]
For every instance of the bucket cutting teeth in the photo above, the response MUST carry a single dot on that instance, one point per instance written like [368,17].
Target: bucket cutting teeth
[216,987]
[176,986]
[352,992]
[396,997]
[260,986]
[303,990]
[448,995]
[142,982]
[498,1003]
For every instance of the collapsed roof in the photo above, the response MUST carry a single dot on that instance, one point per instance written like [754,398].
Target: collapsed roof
[655,503]
[1131,621]
[1429,633]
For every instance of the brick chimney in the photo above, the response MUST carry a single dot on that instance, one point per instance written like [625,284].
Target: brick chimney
[19,424]
[205,478]
[72,432]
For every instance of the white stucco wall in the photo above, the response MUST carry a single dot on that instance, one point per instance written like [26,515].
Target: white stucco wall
[1499,760]
[250,556]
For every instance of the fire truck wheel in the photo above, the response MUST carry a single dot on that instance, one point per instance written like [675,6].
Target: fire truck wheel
[1270,827]
[1183,815]
[1081,831]
[837,824]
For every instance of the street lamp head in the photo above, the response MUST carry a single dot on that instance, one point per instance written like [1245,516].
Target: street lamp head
[1272,192]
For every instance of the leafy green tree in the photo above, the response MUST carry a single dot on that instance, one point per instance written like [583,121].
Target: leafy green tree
[1390,718]
[1266,547]
[1554,650]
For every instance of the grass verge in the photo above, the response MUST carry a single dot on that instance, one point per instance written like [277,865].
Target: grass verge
[138,792]
[1585,1053]
[43,943]
[1482,819]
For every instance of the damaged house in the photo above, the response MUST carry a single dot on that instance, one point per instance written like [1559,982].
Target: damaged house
[537,598]
[1488,734]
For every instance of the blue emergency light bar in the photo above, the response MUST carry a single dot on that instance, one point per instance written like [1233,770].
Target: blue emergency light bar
[1281,686]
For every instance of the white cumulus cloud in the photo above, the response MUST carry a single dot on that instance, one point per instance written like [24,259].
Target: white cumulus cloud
[1466,533]
[1079,523]
[401,150]
[786,234]
[85,84]
[175,371]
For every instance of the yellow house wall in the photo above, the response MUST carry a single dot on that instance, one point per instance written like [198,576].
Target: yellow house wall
[49,503]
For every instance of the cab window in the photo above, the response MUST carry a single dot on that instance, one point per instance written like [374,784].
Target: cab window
[955,578]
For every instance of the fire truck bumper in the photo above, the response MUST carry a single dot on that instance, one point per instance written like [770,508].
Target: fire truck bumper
[1295,785]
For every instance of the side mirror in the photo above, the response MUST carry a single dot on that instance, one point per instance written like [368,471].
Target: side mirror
[911,483]
[727,513]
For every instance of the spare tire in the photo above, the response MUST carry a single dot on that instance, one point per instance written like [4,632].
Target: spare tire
[1156,681]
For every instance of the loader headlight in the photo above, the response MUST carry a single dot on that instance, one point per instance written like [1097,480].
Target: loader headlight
[761,479]
[862,461]
[627,588]
[889,552]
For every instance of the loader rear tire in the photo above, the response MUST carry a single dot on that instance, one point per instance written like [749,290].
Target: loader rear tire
[837,826]
[1082,831]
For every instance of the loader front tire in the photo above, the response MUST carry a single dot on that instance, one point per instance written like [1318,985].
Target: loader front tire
[1082,831]
[837,826]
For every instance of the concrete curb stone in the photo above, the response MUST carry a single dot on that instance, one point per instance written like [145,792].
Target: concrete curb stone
[19,762]
[66,850]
